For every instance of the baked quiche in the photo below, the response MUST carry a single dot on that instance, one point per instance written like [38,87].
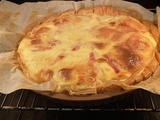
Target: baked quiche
[88,51]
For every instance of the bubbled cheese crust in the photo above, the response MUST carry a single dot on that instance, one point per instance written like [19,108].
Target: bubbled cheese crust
[83,51]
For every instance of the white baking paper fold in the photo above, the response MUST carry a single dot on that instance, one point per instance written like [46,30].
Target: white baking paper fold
[14,19]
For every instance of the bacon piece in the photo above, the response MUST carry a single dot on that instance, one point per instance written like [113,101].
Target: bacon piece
[91,59]
[92,56]
[111,62]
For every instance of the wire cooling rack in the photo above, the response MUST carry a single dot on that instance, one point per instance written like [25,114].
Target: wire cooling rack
[28,104]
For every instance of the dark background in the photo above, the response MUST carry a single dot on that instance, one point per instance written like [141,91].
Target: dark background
[145,3]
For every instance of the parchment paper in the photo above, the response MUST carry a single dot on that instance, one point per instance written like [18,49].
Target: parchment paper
[14,19]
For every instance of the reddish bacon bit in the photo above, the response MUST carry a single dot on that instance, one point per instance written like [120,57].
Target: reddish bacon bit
[92,60]
[77,47]
[92,56]
[112,63]
[66,73]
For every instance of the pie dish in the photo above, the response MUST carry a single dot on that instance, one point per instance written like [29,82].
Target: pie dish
[90,51]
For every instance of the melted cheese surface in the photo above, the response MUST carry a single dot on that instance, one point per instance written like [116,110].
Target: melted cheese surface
[86,51]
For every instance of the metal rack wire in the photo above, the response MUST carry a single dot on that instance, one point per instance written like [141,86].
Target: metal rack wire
[28,104]
[138,100]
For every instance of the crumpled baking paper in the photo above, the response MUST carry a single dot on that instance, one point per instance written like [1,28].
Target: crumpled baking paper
[16,19]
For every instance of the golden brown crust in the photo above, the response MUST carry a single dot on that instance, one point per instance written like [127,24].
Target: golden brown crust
[151,68]
[134,53]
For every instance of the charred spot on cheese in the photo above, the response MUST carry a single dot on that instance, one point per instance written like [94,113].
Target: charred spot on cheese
[45,75]
[66,73]
[36,42]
